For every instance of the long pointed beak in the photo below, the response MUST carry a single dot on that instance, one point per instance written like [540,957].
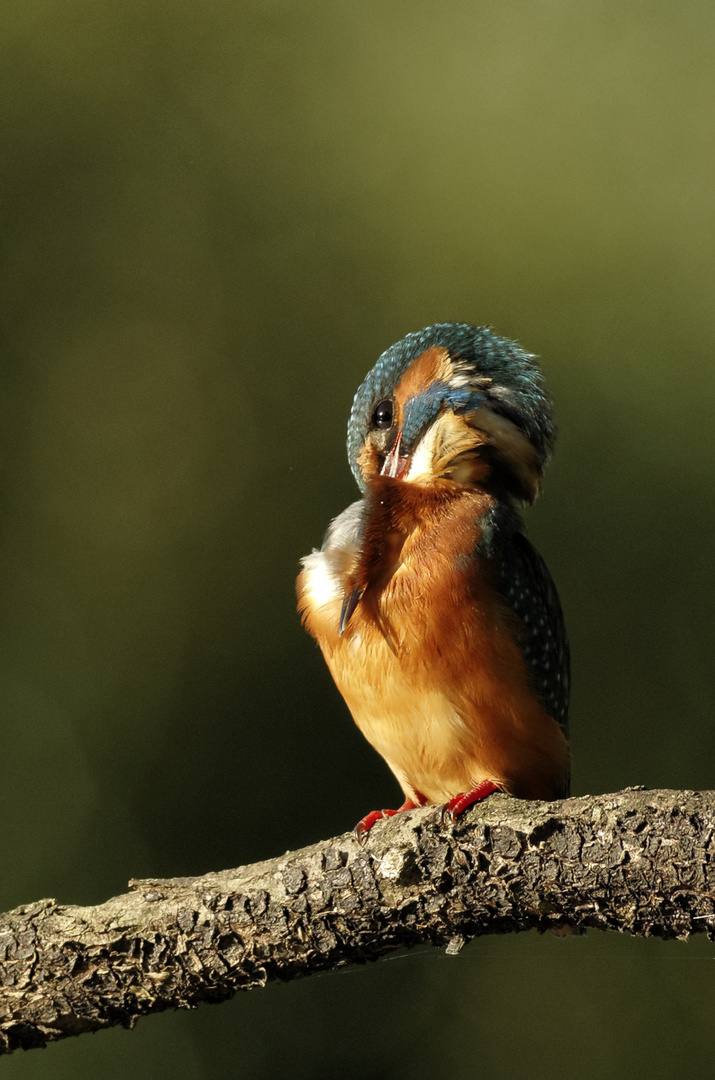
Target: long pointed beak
[395,465]
[349,604]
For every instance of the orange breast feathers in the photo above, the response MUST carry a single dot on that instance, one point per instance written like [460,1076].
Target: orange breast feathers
[429,662]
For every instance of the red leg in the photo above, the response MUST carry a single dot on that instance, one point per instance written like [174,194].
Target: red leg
[365,824]
[461,802]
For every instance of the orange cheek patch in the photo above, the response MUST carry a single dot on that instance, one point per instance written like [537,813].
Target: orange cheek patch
[432,365]
[368,459]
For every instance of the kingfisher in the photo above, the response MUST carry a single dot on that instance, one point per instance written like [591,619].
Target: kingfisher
[438,619]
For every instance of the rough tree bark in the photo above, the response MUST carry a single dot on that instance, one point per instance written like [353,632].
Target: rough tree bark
[639,862]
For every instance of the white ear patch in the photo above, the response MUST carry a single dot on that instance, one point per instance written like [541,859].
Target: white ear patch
[463,374]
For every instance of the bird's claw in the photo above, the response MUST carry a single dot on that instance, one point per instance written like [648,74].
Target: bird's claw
[365,824]
[460,803]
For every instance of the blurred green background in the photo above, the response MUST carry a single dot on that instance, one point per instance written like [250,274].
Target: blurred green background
[214,218]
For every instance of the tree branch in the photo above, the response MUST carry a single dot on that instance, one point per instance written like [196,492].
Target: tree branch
[638,862]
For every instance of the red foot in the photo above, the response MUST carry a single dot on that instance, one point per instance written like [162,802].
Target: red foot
[460,803]
[365,824]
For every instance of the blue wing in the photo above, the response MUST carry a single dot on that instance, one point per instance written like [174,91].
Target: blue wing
[525,584]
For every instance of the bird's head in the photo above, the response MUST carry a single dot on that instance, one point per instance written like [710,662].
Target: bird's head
[453,402]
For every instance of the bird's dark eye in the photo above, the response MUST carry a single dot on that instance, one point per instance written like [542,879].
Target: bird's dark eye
[382,415]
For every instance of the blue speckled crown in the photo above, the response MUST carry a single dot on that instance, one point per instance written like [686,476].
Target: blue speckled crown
[516,390]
